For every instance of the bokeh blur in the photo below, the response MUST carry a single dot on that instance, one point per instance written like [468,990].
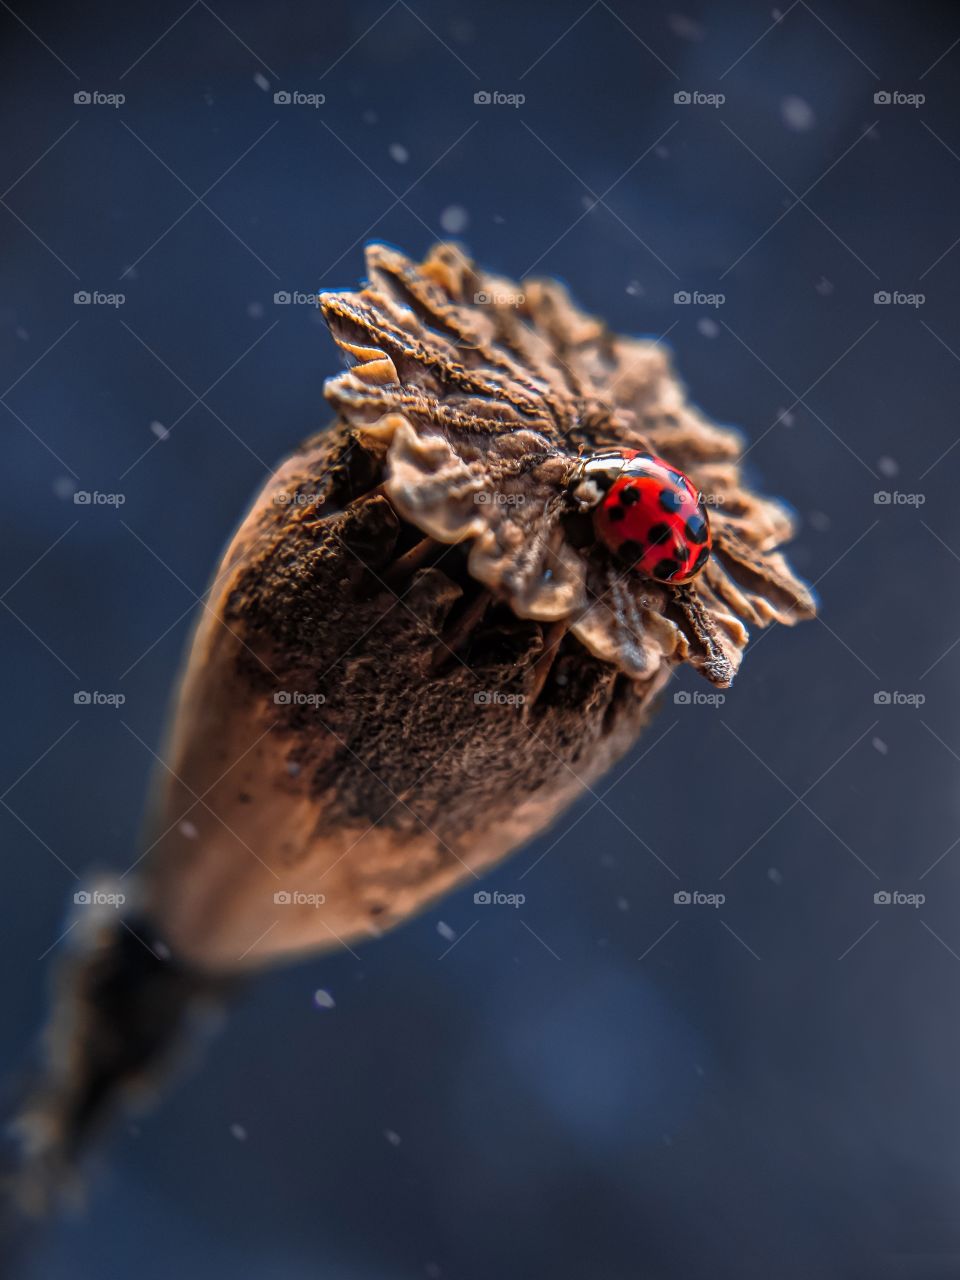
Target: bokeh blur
[604,1083]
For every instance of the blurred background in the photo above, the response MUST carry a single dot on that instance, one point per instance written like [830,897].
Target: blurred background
[602,1082]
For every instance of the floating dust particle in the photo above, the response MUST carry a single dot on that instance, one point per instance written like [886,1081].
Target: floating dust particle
[323,999]
[369,117]
[635,289]
[623,904]
[445,931]
[392,1137]
[454,219]
[64,487]
[708,327]
[254,310]
[399,153]
[819,520]
[786,417]
[797,114]
[685,28]
[159,430]
[888,466]
[261,81]
[774,875]
[824,287]
[879,745]
[188,830]
[238,1132]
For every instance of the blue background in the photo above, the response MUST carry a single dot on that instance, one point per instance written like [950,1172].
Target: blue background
[600,1083]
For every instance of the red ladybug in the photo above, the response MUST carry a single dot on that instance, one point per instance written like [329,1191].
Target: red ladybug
[646,512]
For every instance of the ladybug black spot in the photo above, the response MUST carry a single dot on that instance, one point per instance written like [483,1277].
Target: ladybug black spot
[701,560]
[659,534]
[696,529]
[629,496]
[670,501]
[616,513]
[631,551]
[665,569]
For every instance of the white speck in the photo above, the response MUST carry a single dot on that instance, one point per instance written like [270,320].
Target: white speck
[797,114]
[454,219]
[588,203]
[159,430]
[261,81]
[635,289]
[189,830]
[684,27]
[888,466]
[130,273]
[64,487]
[709,328]
[21,333]
[819,521]
[323,999]
[662,152]
[776,14]
[369,117]
[623,904]
[786,417]
[499,219]
[824,287]
[392,1137]
[774,875]
[292,768]
[445,931]
[254,310]
[399,153]
[238,1132]
[161,950]
[879,745]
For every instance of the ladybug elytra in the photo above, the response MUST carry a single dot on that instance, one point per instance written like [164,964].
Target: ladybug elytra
[646,512]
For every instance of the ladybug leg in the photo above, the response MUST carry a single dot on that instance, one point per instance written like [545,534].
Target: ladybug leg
[459,631]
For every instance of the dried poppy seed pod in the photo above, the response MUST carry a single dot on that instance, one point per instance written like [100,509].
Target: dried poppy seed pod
[417,650]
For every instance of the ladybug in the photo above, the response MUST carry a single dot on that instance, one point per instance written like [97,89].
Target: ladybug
[646,512]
